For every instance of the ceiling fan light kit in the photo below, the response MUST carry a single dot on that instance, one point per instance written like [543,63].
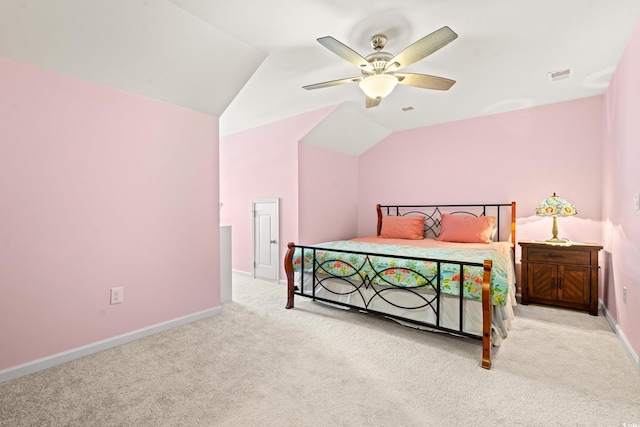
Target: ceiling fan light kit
[378,85]
[379,68]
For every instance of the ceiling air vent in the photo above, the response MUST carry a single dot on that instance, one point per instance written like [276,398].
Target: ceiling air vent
[559,75]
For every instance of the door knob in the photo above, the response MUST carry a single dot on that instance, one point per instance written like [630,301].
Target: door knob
[273,241]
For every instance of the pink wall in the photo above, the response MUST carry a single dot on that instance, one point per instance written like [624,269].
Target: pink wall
[521,156]
[621,153]
[327,195]
[262,163]
[100,188]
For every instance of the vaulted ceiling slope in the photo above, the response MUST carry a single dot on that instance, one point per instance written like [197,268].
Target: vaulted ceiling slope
[247,60]
[148,47]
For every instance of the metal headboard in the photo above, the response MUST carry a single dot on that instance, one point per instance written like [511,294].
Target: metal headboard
[505,214]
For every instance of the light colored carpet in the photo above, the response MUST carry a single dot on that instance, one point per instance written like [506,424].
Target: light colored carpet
[257,364]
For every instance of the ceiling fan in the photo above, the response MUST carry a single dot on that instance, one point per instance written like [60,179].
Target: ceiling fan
[379,69]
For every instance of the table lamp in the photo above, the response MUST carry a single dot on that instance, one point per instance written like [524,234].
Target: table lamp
[555,206]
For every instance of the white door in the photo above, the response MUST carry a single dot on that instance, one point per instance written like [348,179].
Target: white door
[266,247]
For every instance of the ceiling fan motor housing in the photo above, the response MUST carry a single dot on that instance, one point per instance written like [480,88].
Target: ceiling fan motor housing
[379,62]
[377,59]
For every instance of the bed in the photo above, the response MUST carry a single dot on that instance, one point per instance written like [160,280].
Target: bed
[446,268]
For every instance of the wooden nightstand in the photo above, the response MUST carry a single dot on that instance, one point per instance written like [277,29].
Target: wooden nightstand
[560,275]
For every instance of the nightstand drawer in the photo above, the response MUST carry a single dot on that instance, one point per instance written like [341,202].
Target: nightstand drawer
[562,256]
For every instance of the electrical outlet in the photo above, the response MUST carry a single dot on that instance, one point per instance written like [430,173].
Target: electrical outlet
[624,295]
[636,202]
[117,295]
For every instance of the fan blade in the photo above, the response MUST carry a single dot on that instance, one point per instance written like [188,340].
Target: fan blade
[422,48]
[332,83]
[372,102]
[345,52]
[425,81]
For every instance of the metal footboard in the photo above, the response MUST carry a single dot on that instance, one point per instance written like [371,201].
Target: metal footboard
[369,289]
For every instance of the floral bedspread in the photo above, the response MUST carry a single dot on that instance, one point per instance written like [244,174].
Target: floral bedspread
[420,274]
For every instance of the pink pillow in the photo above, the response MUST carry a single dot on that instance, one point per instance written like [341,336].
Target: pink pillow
[466,229]
[402,227]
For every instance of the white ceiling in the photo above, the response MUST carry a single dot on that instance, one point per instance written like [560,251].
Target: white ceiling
[247,60]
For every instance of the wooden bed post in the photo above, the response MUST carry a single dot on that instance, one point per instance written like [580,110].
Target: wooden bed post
[288,268]
[486,315]
[379,219]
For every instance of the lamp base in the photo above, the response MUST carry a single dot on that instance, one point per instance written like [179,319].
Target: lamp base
[556,240]
[554,230]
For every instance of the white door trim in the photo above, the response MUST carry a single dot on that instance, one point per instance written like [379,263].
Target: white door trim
[253,235]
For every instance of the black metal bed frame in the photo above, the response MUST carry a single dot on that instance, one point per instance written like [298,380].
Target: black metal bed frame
[365,278]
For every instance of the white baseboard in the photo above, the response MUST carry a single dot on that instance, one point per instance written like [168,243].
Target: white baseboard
[243,273]
[627,346]
[76,353]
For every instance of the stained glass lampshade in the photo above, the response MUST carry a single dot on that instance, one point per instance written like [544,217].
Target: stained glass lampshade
[555,206]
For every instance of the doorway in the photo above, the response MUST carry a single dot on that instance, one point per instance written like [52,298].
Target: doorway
[266,246]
